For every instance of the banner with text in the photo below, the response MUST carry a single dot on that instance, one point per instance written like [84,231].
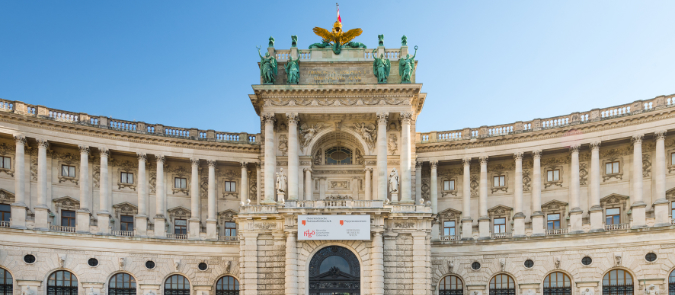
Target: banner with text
[334,227]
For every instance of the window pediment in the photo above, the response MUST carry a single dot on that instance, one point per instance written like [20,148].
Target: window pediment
[179,212]
[500,211]
[125,208]
[554,206]
[6,197]
[614,200]
[450,214]
[66,203]
[227,215]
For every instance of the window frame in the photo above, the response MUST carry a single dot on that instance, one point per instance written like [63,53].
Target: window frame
[613,215]
[69,218]
[557,290]
[452,229]
[172,291]
[5,213]
[553,175]
[3,161]
[176,178]
[445,286]
[124,177]
[228,228]
[494,290]
[559,220]
[614,165]
[131,282]
[177,227]
[502,227]
[72,169]
[127,223]
[618,289]
[230,182]
[54,288]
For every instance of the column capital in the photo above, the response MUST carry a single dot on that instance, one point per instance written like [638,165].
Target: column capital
[211,163]
[307,169]
[258,164]
[382,117]
[575,148]
[660,134]
[418,164]
[142,156]
[268,118]
[103,151]
[536,154]
[466,161]
[637,138]
[42,143]
[595,145]
[434,164]
[292,118]
[83,149]
[406,117]
[160,158]
[19,138]
[365,170]
[194,161]
[243,164]
[483,159]
[518,156]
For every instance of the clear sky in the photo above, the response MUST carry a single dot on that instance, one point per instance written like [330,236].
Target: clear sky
[192,63]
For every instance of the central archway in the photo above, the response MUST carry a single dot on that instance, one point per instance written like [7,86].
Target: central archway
[334,270]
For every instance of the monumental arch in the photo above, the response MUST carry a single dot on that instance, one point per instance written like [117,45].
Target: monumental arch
[339,193]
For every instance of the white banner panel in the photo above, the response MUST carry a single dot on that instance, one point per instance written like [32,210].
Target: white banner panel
[334,227]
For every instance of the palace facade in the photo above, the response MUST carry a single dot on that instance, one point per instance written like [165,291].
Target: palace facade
[576,204]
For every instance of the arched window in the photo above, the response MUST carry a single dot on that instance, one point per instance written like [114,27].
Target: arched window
[502,285]
[557,283]
[122,284]
[338,156]
[671,283]
[6,282]
[62,282]
[176,285]
[617,282]
[227,285]
[450,285]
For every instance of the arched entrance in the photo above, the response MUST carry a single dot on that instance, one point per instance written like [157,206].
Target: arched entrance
[334,270]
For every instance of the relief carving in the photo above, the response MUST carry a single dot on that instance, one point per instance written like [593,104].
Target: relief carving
[367,132]
[283,145]
[392,145]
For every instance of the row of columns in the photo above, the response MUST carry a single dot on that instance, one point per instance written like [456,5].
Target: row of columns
[84,213]
[638,206]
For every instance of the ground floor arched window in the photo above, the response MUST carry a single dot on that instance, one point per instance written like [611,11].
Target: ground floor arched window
[122,284]
[450,285]
[6,282]
[617,282]
[334,270]
[671,283]
[557,283]
[62,282]
[502,285]
[227,285]
[176,285]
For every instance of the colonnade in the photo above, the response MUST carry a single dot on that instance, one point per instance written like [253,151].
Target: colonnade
[596,214]
[103,215]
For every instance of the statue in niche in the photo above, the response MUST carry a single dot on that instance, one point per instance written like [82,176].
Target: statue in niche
[292,70]
[588,291]
[281,182]
[392,144]
[367,132]
[404,41]
[393,181]
[294,41]
[406,67]
[652,290]
[268,67]
[381,67]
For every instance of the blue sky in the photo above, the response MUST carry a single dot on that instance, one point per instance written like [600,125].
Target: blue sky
[192,63]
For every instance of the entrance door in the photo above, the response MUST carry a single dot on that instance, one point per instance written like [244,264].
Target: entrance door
[334,270]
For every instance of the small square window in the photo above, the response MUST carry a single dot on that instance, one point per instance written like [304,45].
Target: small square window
[126,177]
[68,218]
[449,185]
[613,216]
[230,229]
[67,171]
[499,225]
[5,212]
[180,227]
[180,182]
[127,223]
[499,181]
[672,159]
[230,186]
[553,221]
[448,228]
[612,167]
[6,162]
[553,175]
[672,209]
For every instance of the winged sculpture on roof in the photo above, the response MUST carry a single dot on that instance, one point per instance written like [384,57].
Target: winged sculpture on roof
[337,38]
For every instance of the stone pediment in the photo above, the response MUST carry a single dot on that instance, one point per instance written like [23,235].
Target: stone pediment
[500,210]
[670,194]
[227,215]
[125,208]
[179,212]
[6,197]
[614,199]
[553,205]
[66,203]
[450,214]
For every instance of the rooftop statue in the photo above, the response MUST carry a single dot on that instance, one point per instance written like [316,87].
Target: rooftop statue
[268,67]
[381,67]
[337,38]
[406,67]
[404,41]
[292,70]
[271,44]
[380,40]
[294,41]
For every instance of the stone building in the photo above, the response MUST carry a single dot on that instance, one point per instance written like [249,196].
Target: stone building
[576,204]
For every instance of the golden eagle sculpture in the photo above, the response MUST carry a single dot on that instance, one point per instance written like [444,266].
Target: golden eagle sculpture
[337,39]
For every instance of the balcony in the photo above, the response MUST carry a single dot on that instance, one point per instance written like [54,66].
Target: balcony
[228,238]
[500,235]
[122,233]
[60,228]
[177,236]
[619,226]
[451,238]
[348,204]
[4,223]
[557,232]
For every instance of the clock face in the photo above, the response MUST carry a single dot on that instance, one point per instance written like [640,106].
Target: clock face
[338,156]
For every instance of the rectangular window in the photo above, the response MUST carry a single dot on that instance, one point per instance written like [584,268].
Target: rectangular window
[553,175]
[553,221]
[230,229]
[68,218]
[613,216]
[230,186]
[612,167]
[672,210]
[499,181]
[449,185]
[180,182]
[448,228]
[67,171]
[672,159]
[499,225]
[5,212]
[126,177]
[180,227]
[127,222]
[6,162]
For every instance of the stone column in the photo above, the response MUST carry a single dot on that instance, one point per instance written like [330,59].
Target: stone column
[575,201]
[382,155]
[661,204]
[638,206]
[291,263]
[258,182]
[519,217]
[419,269]
[211,229]
[103,214]
[18,219]
[483,220]
[84,213]
[308,184]
[377,265]
[160,199]
[418,181]
[250,275]
[141,219]
[434,187]
[368,189]
[270,159]
[194,226]
[467,221]
[244,183]
[293,159]
[406,161]
[537,215]
[322,188]
[594,189]
[42,208]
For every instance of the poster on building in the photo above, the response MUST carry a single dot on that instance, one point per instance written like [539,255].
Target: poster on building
[334,227]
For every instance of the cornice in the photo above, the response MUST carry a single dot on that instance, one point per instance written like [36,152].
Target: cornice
[84,130]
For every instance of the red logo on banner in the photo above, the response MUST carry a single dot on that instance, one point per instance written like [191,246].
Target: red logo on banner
[309,233]
[342,222]
[304,222]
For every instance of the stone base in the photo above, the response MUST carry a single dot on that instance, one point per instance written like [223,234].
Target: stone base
[193,229]
[596,219]
[18,216]
[267,202]
[519,225]
[435,233]
[42,218]
[660,213]
[394,197]
[160,226]
[538,224]
[575,221]
[467,228]
[484,228]
[211,229]
[141,226]
[638,213]
[83,221]
[103,222]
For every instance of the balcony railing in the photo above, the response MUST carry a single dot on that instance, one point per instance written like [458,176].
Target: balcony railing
[619,226]
[451,238]
[60,228]
[123,233]
[228,238]
[556,232]
[500,235]
[177,236]
[266,209]
[4,224]
[335,204]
